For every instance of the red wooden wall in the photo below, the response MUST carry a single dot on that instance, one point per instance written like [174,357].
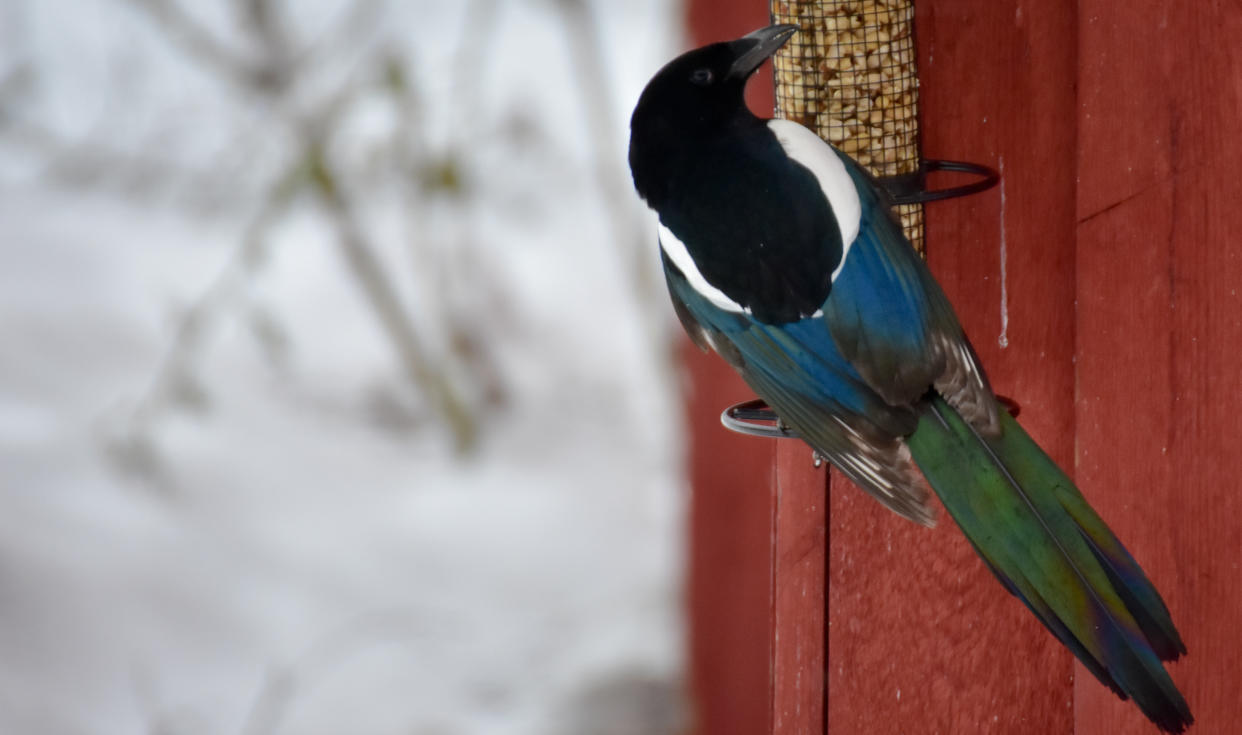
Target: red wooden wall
[731,521]
[1100,287]
[923,639]
[1159,323]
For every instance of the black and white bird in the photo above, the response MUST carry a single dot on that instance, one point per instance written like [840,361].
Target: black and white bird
[782,255]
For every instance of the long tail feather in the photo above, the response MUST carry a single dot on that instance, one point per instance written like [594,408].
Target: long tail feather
[1050,549]
[1127,577]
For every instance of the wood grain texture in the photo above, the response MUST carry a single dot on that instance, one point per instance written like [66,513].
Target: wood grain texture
[799,578]
[1160,326]
[729,576]
[731,514]
[1120,194]
[921,637]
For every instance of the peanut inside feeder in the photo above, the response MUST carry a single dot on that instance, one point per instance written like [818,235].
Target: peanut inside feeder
[851,75]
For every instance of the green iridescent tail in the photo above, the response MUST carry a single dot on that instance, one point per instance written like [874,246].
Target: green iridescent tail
[1050,549]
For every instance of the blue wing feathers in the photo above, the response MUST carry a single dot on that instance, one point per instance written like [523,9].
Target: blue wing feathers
[801,356]
[884,308]
[818,300]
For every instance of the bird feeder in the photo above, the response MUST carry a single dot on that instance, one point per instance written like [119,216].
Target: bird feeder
[851,75]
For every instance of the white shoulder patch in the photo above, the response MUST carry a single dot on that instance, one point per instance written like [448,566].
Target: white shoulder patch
[807,149]
[676,251]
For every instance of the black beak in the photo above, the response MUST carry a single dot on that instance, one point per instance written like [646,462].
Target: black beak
[755,48]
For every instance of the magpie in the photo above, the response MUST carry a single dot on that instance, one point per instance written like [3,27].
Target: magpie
[783,256]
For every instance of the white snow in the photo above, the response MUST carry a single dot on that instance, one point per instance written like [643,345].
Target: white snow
[293,547]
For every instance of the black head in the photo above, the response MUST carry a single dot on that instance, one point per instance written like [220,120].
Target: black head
[702,88]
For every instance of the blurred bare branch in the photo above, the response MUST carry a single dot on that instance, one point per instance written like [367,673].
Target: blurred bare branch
[633,246]
[93,163]
[131,446]
[201,44]
[388,307]
[312,89]
[270,76]
[361,18]
[261,19]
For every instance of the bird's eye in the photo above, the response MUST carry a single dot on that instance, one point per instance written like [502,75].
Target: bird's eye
[702,77]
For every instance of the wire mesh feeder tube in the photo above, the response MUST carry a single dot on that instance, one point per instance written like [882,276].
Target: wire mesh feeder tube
[851,75]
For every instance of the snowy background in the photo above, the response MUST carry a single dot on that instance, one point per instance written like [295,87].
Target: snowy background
[334,383]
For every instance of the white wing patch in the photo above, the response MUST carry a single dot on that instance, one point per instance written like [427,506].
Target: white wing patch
[807,149]
[968,363]
[962,384]
[869,469]
[676,251]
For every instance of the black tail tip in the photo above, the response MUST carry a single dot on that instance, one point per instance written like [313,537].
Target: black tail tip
[1174,718]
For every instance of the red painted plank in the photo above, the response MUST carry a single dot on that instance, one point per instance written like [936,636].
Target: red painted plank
[799,577]
[729,584]
[921,637]
[730,560]
[1160,326]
